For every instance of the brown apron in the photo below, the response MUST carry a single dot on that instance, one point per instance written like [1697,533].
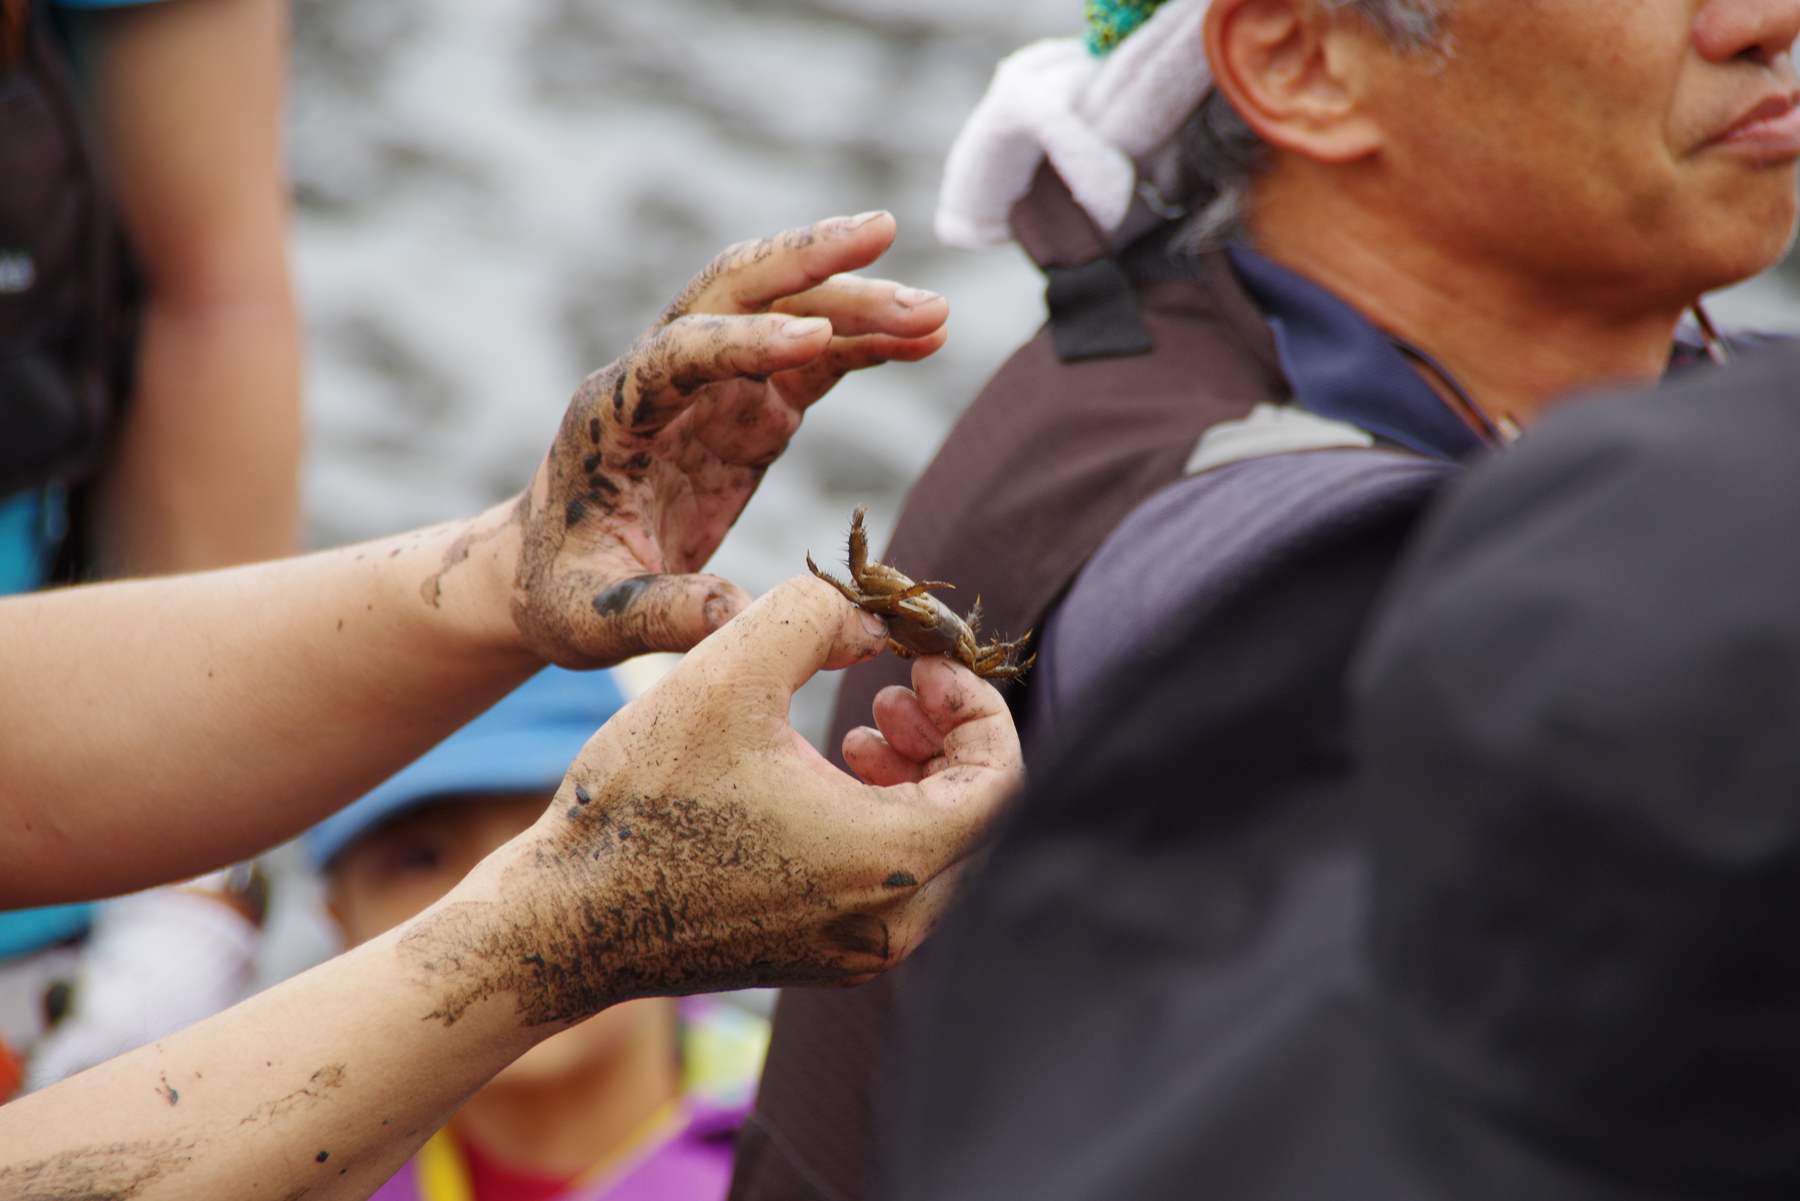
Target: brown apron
[1143,353]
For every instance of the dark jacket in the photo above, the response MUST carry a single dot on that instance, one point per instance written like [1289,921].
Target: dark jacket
[1537,945]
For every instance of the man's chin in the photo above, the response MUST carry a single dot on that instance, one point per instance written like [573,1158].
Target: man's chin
[1743,237]
[1753,261]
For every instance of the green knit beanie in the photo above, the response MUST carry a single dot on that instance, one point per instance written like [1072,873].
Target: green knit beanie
[1112,21]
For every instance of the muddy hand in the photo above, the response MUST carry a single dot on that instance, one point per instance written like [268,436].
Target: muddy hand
[660,451]
[699,843]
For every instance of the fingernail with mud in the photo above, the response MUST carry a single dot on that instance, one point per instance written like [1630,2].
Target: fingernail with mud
[912,298]
[872,623]
[862,219]
[718,610]
[806,327]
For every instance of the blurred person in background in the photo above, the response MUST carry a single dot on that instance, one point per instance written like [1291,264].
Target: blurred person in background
[639,1103]
[1306,260]
[151,963]
[152,357]
[149,398]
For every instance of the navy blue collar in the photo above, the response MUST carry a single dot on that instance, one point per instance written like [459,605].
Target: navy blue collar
[1343,368]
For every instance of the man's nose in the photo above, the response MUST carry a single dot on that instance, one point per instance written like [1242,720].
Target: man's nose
[1759,30]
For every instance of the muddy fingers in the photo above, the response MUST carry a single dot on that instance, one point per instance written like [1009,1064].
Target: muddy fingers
[660,451]
[751,276]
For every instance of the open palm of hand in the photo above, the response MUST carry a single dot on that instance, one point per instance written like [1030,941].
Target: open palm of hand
[661,449]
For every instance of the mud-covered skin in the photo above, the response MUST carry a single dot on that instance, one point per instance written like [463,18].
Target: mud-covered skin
[699,843]
[660,450]
[919,623]
[103,1172]
[644,896]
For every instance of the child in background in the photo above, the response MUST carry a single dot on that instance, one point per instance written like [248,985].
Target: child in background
[641,1102]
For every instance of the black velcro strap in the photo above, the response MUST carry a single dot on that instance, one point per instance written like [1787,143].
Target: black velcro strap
[1093,313]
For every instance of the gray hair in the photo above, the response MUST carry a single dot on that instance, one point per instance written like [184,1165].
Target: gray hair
[1221,154]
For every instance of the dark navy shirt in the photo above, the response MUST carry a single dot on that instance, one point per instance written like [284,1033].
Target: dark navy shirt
[1343,368]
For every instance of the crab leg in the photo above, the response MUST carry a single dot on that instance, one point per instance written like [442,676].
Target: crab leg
[850,594]
[922,589]
[859,543]
[994,661]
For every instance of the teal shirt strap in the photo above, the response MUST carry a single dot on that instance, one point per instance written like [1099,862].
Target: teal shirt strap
[26,930]
[31,528]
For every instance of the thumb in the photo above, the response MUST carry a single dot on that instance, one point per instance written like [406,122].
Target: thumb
[800,627]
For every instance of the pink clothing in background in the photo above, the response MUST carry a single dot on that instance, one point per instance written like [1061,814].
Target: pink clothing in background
[692,1165]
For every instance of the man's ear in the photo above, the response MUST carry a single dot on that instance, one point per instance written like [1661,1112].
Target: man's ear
[1291,69]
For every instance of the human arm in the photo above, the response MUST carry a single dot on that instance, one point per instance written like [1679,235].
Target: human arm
[156,729]
[188,98]
[698,843]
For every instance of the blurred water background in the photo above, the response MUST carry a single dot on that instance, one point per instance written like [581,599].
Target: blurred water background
[493,199]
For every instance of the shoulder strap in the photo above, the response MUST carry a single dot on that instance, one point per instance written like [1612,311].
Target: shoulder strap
[1093,312]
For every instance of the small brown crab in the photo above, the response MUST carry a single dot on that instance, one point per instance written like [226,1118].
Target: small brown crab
[919,623]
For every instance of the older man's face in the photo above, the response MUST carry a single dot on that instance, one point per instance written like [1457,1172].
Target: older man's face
[1636,151]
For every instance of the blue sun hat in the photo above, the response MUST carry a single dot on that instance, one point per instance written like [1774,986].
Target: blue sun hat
[23,931]
[523,744]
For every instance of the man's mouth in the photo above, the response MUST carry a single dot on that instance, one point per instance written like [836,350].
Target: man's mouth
[1770,132]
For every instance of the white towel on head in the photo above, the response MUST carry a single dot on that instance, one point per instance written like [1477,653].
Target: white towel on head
[1099,121]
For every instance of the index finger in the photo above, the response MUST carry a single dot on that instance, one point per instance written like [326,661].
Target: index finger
[970,712]
[749,277]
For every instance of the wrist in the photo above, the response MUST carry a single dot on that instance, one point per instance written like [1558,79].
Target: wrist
[469,577]
[512,939]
